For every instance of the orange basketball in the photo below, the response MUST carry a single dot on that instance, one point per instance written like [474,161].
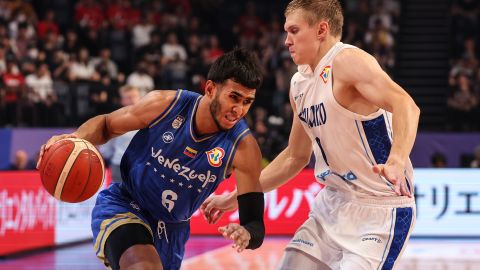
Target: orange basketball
[72,170]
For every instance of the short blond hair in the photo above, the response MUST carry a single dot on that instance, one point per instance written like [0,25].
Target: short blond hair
[317,10]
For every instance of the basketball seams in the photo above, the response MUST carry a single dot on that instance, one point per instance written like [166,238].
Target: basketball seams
[50,156]
[89,170]
[66,169]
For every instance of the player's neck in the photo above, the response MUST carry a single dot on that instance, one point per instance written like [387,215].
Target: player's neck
[323,50]
[203,120]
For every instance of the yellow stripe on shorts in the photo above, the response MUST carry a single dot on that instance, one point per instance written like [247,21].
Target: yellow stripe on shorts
[109,225]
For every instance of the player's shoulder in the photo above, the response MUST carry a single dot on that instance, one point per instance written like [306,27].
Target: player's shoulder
[160,97]
[350,56]
[296,78]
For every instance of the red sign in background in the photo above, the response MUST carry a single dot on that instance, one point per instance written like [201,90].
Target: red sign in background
[27,213]
[286,208]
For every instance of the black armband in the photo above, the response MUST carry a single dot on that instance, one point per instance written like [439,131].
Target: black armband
[250,207]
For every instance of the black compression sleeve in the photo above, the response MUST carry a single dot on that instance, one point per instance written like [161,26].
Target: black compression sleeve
[250,208]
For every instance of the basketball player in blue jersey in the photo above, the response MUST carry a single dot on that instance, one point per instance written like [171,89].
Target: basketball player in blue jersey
[361,127]
[186,145]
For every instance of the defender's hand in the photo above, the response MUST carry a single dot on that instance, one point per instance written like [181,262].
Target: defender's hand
[50,142]
[394,174]
[214,207]
[237,233]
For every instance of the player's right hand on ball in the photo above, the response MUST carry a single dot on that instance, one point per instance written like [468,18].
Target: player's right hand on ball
[50,142]
[237,233]
[214,207]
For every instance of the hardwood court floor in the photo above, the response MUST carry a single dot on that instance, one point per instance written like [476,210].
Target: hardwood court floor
[215,253]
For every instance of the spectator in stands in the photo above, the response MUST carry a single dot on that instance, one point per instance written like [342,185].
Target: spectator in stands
[89,14]
[141,32]
[113,150]
[103,96]
[172,50]
[22,42]
[3,59]
[382,16]
[122,15]
[476,161]
[14,92]
[438,160]
[353,34]
[282,81]
[40,82]
[23,17]
[380,42]
[462,104]
[140,79]
[42,96]
[21,162]
[175,73]
[214,49]
[47,25]
[466,65]
[81,69]
[50,43]
[153,50]
[71,44]
[60,66]
[247,25]
[104,63]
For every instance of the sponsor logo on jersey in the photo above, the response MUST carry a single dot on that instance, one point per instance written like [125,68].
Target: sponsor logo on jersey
[134,206]
[325,73]
[177,123]
[168,137]
[302,242]
[183,171]
[298,96]
[314,115]
[369,237]
[189,152]
[349,176]
[215,156]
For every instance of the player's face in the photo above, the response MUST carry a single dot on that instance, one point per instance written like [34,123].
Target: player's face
[302,39]
[230,104]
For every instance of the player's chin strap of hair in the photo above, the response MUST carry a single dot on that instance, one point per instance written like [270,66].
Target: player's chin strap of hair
[250,208]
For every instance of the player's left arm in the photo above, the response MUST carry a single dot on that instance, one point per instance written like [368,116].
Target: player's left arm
[247,164]
[354,67]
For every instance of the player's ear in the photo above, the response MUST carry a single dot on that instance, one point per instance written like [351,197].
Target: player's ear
[210,89]
[322,30]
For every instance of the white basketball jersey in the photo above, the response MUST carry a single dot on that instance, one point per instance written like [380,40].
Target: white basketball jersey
[346,144]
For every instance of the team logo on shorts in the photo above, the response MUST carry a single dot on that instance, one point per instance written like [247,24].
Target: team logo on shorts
[325,73]
[215,156]
[168,137]
[177,123]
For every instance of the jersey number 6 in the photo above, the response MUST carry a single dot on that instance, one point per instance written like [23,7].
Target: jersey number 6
[168,199]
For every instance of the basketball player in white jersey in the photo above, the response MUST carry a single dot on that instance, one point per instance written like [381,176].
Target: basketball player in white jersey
[361,127]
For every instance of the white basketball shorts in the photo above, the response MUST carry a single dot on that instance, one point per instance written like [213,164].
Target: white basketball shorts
[347,232]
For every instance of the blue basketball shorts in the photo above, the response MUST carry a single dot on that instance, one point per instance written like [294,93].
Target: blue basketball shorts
[115,207]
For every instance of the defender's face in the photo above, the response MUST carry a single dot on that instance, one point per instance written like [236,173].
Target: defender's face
[301,40]
[231,102]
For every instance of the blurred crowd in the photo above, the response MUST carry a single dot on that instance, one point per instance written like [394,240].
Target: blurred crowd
[464,79]
[63,61]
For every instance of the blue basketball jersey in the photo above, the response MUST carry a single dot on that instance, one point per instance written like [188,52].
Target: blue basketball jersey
[169,170]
